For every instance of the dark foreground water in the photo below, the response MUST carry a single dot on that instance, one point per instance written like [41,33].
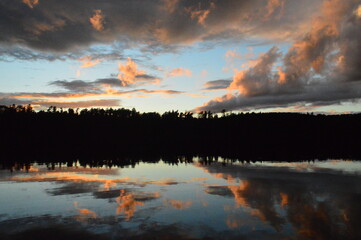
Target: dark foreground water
[303,200]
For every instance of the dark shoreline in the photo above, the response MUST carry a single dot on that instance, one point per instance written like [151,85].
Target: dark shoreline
[99,134]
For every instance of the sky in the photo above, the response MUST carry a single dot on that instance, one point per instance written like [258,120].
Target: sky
[185,55]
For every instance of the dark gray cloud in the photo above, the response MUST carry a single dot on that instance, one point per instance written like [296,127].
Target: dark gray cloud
[60,26]
[95,86]
[109,81]
[314,95]
[76,85]
[217,84]
[86,86]
[6,101]
[16,52]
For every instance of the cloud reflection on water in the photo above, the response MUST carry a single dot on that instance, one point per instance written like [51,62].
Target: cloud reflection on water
[84,213]
[238,201]
[316,204]
[178,204]
[127,204]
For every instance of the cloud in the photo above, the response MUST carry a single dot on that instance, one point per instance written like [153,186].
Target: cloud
[274,7]
[258,79]
[130,75]
[322,95]
[114,82]
[63,104]
[232,54]
[170,5]
[31,3]
[80,104]
[79,89]
[177,72]
[97,20]
[11,53]
[200,15]
[5,97]
[89,62]
[76,85]
[220,84]
[358,11]
[68,25]
[322,68]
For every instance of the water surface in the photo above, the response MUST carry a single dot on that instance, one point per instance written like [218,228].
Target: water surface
[196,200]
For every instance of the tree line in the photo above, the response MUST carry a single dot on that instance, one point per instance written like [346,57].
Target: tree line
[116,133]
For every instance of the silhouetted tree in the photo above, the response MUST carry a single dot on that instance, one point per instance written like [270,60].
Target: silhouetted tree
[120,132]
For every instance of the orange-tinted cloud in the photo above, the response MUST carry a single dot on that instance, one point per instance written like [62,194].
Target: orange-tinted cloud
[358,11]
[54,95]
[31,3]
[97,20]
[258,79]
[281,76]
[177,72]
[72,100]
[80,104]
[129,74]
[108,91]
[89,62]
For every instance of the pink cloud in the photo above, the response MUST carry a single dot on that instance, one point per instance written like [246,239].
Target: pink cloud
[178,72]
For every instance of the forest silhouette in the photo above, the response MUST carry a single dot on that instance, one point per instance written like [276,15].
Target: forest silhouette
[120,133]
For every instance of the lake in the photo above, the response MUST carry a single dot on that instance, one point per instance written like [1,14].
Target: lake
[194,199]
